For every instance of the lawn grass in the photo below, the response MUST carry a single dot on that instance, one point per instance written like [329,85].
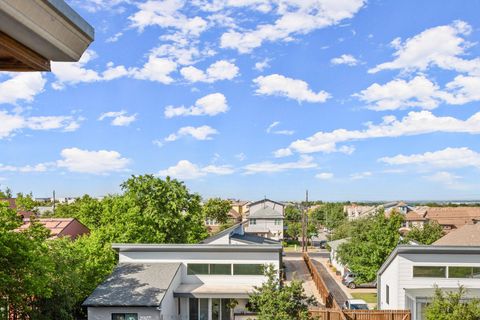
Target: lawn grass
[367,296]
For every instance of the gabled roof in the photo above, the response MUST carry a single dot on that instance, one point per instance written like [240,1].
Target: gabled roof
[265,213]
[223,233]
[60,227]
[336,243]
[264,200]
[468,235]
[414,216]
[134,285]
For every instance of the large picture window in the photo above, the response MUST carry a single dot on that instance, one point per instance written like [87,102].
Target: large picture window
[429,272]
[225,269]
[248,269]
[197,268]
[464,272]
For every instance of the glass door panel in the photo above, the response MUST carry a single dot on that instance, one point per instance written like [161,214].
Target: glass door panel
[203,309]
[225,309]
[215,309]
[193,308]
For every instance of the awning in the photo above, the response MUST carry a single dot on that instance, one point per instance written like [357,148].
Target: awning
[430,292]
[234,291]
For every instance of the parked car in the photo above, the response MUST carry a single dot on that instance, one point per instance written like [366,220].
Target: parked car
[355,304]
[348,280]
[322,244]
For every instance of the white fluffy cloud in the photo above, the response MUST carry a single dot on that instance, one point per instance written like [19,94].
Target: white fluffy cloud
[441,46]
[324,175]
[446,158]
[305,162]
[70,73]
[347,59]
[186,170]
[414,123]
[198,133]
[155,69]
[95,162]
[40,167]
[12,123]
[21,86]
[262,65]
[420,92]
[119,118]
[447,179]
[361,175]
[296,17]
[220,70]
[279,85]
[209,105]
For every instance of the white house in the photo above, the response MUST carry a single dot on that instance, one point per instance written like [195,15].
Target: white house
[265,218]
[407,278]
[333,255]
[207,281]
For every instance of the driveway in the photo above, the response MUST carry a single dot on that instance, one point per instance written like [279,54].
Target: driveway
[296,269]
[338,294]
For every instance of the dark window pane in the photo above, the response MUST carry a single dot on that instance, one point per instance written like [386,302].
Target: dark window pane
[193,308]
[197,268]
[429,272]
[131,316]
[460,272]
[215,309]
[476,273]
[203,309]
[221,269]
[118,316]
[225,309]
[248,269]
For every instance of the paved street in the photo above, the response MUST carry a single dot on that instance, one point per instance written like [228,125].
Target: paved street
[337,292]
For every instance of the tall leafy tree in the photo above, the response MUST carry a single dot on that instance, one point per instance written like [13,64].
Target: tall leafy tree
[272,301]
[368,248]
[452,306]
[25,267]
[218,209]
[430,232]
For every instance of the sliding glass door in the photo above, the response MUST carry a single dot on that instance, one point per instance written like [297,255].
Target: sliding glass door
[209,309]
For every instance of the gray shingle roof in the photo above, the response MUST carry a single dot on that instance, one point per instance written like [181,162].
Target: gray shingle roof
[134,284]
[265,213]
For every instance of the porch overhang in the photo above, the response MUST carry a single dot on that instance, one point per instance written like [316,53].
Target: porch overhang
[430,292]
[233,291]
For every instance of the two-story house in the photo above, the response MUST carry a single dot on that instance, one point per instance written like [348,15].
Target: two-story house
[207,281]
[265,218]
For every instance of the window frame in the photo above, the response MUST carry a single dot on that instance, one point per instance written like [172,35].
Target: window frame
[236,273]
[125,314]
[387,294]
[253,221]
[193,273]
[430,276]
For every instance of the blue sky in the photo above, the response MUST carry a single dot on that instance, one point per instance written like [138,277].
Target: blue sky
[351,99]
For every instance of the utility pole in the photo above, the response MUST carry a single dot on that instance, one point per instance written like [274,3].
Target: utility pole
[306,220]
[53,201]
[304,223]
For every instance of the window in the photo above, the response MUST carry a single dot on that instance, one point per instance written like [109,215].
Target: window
[278,222]
[429,272]
[248,269]
[197,268]
[464,272]
[221,269]
[179,306]
[193,308]
[124,316]
[387,294]
[253,221]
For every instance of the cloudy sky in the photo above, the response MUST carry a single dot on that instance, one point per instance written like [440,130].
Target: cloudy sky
[350,99]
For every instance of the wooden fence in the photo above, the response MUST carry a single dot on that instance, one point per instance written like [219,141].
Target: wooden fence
[333,311]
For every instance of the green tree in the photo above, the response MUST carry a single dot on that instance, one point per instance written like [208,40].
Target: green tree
[292,214]
[25,202]
[294,230]
[25,266]
[452,306]
[218,209]
[333,214]
[272,301]
[428,234]
[369,246]
[86,209]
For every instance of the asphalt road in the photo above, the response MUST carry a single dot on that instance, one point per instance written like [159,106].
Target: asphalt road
[337,292]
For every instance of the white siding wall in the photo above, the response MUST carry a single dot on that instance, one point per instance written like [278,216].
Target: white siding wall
[103,313]
[264,204]
[402,270]
[267,224]
[169,303]
[207,257]
[390,278]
